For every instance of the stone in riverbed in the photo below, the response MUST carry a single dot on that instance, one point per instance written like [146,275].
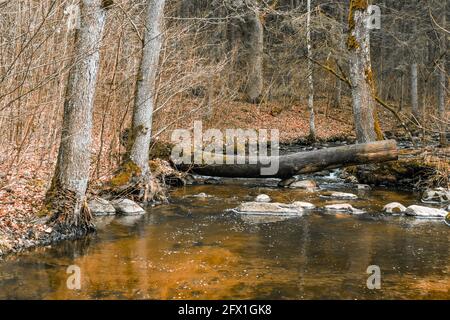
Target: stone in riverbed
[101,207]
[340,195]
[425,212]
[273,208]
[127,207]
[304,205]
[303,184]
[394,207]
[263,198]
[344,208]
[201,195]
[438,195]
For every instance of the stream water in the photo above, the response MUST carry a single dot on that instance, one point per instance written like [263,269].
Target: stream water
[193,249]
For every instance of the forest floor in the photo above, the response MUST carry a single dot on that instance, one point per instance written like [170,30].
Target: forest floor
[22,190]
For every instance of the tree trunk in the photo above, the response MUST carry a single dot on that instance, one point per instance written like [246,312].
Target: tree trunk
[145,87]
[414,92]
[443,88]
[302,162]
[312,124]
[255,39]
[66,198]
[361,75]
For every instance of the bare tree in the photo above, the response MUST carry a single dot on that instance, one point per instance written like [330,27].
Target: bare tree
[254,31]
[66,198]
[361,74]
[312,124]
[443,85]
[145,88]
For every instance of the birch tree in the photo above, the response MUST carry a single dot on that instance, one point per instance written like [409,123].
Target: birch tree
[361,75]
[66,198]
[145,89]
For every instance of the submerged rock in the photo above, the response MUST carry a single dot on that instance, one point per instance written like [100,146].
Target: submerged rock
[425,212]
[273,208]
[101,207]
[127,207]
[263,198]
[201,195]
[340,195]
[303,184]
[343,207]
[439,195]
[394,207]
[304,205]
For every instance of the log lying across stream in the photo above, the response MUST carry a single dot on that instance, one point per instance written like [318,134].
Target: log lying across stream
[304,162]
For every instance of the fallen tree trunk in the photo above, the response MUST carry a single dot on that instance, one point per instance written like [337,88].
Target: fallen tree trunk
[304,162]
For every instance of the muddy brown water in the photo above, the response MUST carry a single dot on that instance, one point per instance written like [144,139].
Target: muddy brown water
[193,249]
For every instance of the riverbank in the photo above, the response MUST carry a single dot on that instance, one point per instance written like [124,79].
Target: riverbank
[22,189]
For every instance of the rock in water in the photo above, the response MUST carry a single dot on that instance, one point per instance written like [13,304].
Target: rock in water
[263,198]
[394,207]
[438,195]
[127,207]
[343,207]
[303,184]
[340,195]
[425,212]
[101,207]
[201,195]
[447,219]
[273,208]
[304,205]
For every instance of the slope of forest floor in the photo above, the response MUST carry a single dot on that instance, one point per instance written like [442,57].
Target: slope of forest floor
[22,189]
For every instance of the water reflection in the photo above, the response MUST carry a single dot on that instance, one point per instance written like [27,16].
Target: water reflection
[192,249]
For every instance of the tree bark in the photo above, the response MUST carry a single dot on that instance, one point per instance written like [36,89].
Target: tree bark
[337,95]
[312,123]
[443,87]
[145,86]
[66,198]
[255,40]
[361,74]
[414,92]
[303,162]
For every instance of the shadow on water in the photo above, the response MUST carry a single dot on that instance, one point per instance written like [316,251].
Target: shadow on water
[193,249]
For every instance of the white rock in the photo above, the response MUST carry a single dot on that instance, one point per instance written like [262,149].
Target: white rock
[394,207]
[425,212]
[438,195]
[101,207]
[340,195]
[363,187]
[343,207]
[127,207]
[304,184]
[201,195]
[272,208]
[304,205]
[263,198]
